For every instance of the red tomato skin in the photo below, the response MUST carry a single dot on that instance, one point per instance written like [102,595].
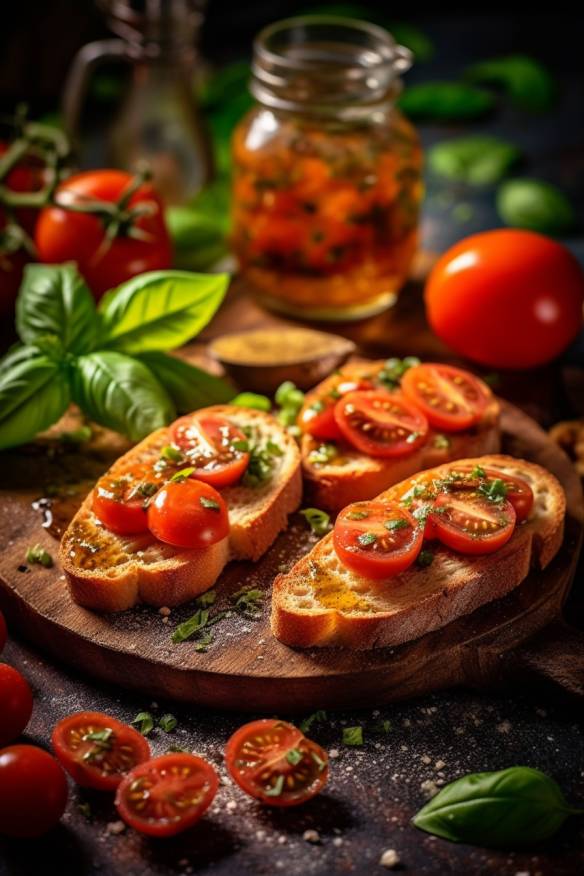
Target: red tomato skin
[506,298]
[177,517]
[463,544]
[82,774]
[62,235]
[361,442]
[371,565]
[442,419]
[3,632]
[225,475]
[33,791]
[15,703]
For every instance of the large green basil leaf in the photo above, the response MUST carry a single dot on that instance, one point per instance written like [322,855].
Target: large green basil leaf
[121,393]
[513,807]
[478,160]
[160,310]
[34,393]
[535,205]
[527,82]
[189,387]
[54,301]
[445,101]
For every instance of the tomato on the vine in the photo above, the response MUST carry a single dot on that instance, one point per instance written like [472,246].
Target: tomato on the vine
[97,750]
[166,795]
[274,762]
[188,514]
[33,791]
[15,703]
[141,242]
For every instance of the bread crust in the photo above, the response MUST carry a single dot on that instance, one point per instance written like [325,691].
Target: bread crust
[320,603]
[356,477]
[107,572]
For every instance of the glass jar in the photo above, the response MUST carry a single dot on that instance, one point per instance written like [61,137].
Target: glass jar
[327,172]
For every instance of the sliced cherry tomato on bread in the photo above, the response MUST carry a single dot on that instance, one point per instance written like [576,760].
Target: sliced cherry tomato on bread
[166,795]
[188,514]
[97,750]
[317,416]
[213,446]
[121,500]
[377,539]
[274,762]
[15,703]
[451,399]
[468,522]
[497,484]
[381,423]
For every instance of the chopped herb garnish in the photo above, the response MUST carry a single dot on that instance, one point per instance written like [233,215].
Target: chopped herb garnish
[37,555]
[171,453]
[240,445]
[319,521]
[323,454]
[276,789]
[381,727]
[177,749]
[274,449]
[182,475]
[289,399]
[294,756]
[357,515]
[353,735]
[334,394]
[425,558]
[478,472]
[318,761]
[494,490]
[252,400]
[419,490]
[145,722]
[207,599]
[394,369]
[167,723]
[398,523]
[318,406]
[261,463]
[441,442]
[316,718]
[366,539]
[249,601]
[85,809]
[413,436]
[211,504]
[191,626]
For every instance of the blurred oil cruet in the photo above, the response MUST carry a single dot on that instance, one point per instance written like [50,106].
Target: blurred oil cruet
[157,120]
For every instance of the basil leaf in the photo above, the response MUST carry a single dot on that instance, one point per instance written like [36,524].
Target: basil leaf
[189,387]
[536,205]
[516,806]
[252,400]
[528,83]
[34,393]
[121,394]
[445,101]
[478,160]
[160,310]
[54,300]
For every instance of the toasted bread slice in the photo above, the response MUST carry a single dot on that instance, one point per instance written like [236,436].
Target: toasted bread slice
[320,602]
[108,572]
[351,476]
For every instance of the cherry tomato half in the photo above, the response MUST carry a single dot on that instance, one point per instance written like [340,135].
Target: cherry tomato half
[120,501]
[451,399]
[381,423]
[506,298]
[3,632]
[317,416]
[15,703]
[515,490]
[211,444]
[167,794]
[97,750]
[377,539]
[33,791]
[470,523]
[188,514]
[274,762]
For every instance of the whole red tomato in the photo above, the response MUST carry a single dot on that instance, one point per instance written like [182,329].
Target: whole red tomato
[15,703]
[65,235]
[33,791]
[506,298]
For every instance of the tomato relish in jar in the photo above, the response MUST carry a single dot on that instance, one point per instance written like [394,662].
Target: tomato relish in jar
[327,172]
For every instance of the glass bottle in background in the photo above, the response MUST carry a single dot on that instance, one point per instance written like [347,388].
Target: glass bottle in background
[157,121]
[327,172]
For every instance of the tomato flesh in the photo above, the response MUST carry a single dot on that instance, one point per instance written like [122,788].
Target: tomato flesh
[33,791]
[470,523]
[121,500]
[15,703]
[317,417]
[274,762]
[188,514]
[451,399]
[377,539]
[210,445]
[381,423]
[97,750]
[516,490]
[167,794]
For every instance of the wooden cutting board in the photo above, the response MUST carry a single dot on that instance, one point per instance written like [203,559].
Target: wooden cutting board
[245,668]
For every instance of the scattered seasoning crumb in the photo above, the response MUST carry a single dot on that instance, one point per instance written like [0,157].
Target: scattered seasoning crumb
[311,836]
[439,765]
[164,611]
[504,727]
[338,841]
[429,787]
[115,827]
[333,753]
[389,859]
[231,806]
[425,759]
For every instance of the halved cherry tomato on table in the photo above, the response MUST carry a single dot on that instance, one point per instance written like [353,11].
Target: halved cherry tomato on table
[381,423]
[470,523]
[120,501]
[213,446]
[15,703]
[274,762]
[495,482]
[377,539]
[450,398]
[317,416]
[188,514]
[33,791]
[167,794]
[97,750]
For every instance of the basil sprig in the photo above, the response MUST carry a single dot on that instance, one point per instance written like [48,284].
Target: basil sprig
[109,359]
[512,807]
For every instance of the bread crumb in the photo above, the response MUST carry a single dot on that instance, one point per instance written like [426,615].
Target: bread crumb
[338,841]
[389,859]
[334,752]
[164,611]
[429,787]
[425,759]
[311,836]
[504,727]
[439,765]
[231,806]
[115,827]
